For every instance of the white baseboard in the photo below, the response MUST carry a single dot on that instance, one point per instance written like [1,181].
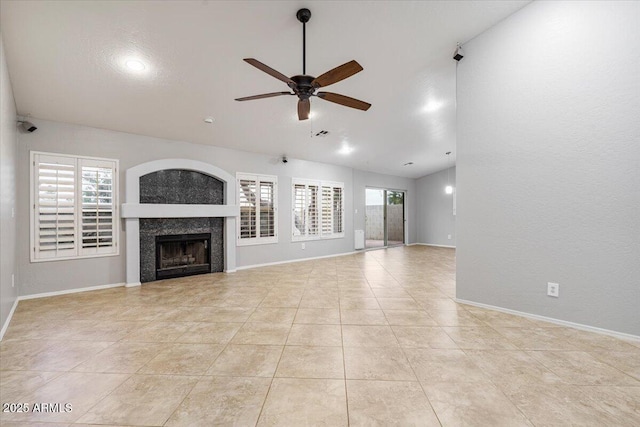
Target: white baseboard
[580,326]
[6,322]
[70,291]
[434,245]
[247,267]
[132,284]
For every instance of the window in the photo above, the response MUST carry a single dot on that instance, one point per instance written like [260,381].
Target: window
[305,210]
[318,209]
[258,209]
[74,207]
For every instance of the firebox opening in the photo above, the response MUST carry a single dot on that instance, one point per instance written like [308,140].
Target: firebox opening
[182,255]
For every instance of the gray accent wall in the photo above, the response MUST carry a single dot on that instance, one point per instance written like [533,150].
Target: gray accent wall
[8,141]
[548,158]
[437,221]
[132,150]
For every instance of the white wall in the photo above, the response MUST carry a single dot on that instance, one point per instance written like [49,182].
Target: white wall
[548,158]
[135,149]
[363,179]
[8,141]
[436,221]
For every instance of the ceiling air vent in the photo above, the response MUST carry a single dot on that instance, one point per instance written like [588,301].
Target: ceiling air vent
[322,133]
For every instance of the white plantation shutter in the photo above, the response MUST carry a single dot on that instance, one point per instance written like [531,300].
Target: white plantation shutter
[312,209]
[258,209]
[247,209]
[299,210]
[327,217]
[74,207]
[55,193]
[338,210]
[97,206]
[306,216]
[267,211]
[318,209]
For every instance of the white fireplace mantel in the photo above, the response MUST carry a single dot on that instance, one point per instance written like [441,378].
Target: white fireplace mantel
[136,210]
[133,210]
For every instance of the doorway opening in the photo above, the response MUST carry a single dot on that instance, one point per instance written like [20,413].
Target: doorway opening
[384,218]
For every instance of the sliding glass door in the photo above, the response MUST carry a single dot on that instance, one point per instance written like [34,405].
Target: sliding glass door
[395,218]
[374,233]
[384,218]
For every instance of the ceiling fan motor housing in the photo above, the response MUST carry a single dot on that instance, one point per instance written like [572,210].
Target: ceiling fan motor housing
[303,88]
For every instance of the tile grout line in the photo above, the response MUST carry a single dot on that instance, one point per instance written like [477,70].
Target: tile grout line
[344,362]
[412,368]
[266,396]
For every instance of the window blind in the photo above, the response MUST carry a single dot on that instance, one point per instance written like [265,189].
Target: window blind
[338,210]
[55,206]
[267,212]
[299,210]
[312,209]
[327,213]
[247,208]
[97,210]
[74,207]
[318,209]
[258,209]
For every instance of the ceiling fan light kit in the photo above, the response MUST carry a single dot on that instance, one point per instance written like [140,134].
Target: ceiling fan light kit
[305,86]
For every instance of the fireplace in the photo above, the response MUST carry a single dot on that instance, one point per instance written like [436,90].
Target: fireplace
[182,255]
[171,197]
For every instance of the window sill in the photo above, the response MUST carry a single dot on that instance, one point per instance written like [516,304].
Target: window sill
[295,239]
[252,242]
[70,258]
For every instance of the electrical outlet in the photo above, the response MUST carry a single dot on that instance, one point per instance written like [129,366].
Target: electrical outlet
[553,289]
[303,246]
[13,280]
[449,236]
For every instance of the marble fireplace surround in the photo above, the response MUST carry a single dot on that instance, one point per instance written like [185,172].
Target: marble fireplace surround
[133,210]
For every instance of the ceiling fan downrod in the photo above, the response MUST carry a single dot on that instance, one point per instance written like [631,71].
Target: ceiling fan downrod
[303,16]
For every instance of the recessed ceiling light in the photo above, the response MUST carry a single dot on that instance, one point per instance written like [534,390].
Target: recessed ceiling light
[135,65]
[208,120]
[345,150]
[432,106]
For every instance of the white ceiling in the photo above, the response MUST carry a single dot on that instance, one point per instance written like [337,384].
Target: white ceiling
[66,64]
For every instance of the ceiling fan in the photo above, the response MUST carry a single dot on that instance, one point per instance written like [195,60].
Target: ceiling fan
[305,86]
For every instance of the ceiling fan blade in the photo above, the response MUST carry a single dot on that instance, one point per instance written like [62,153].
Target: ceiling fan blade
[337,74]
[278,75]
[304,107]
[265,95]
[344,100]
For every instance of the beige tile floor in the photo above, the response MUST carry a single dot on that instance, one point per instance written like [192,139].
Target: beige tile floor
[369,339]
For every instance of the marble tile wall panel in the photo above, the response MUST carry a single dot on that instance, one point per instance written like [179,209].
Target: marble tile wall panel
[178,186]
